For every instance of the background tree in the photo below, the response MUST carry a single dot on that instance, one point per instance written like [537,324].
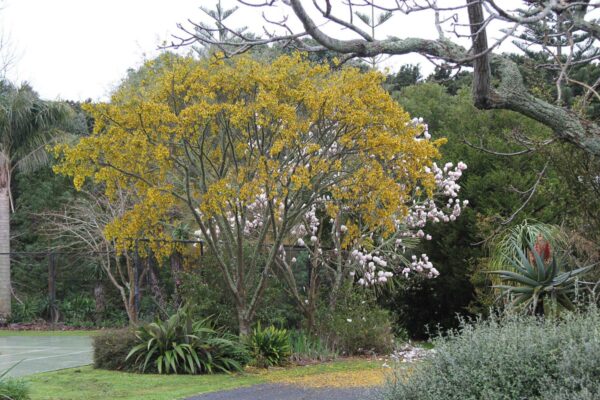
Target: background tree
[505,157]
[27,125]
[80,227]
[407,75]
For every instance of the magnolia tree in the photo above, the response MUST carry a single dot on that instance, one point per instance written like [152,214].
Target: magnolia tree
[343,248]
[261,156]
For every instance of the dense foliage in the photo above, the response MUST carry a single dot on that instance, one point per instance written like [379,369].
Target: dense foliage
[269,347]
[180,345]
[11,388]
[358,326]
[496,187]
[509,358]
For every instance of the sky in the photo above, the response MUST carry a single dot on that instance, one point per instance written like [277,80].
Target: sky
[80,49]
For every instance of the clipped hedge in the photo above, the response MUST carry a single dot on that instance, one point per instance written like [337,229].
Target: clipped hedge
[111,349]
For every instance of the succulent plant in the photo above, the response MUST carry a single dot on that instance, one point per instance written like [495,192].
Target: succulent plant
[538,280]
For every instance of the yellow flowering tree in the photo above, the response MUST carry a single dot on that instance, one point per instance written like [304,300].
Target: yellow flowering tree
[247,151]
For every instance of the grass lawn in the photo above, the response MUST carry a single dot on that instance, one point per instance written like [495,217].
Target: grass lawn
[7,332]
[90,384]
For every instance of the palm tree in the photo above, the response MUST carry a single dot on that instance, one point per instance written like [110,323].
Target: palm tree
[27,125]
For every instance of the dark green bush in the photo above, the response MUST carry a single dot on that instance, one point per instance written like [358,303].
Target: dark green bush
[182,345]
[509,358]
[358,326]
[111,349]
[269,347]
[205,289]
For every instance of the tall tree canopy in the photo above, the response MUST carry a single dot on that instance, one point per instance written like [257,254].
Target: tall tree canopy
[567,32]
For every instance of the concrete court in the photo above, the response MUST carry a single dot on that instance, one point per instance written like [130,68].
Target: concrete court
[43,353]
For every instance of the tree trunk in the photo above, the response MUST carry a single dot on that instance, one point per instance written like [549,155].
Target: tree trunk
[132,311]
[5,285]
[311,324]
[482,74]
[157,292]
[176,261]
[243,323]
[54,314]
[100,297]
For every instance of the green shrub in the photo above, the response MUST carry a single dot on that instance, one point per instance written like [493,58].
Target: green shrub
[79,310]
[509,358]
[113,316]
[269,347]
[309,347]
[358,326]
[30,309]
[12,389]
[111,349]
[182,345]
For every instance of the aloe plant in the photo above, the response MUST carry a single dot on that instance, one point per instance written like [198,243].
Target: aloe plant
[539,281]
[520,236]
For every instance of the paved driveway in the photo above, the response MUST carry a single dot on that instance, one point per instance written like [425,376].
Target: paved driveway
[288,392]
[43,353]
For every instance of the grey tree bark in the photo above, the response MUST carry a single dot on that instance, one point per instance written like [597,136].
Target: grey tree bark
[511,94]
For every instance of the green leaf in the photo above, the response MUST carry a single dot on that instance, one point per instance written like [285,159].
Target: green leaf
[515,277]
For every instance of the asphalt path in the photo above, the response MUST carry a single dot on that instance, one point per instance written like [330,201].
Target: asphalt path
[289,392]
